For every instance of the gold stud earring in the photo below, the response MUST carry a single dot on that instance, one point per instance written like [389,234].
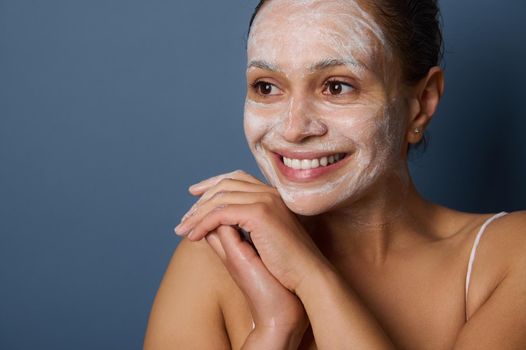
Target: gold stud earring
[417,131]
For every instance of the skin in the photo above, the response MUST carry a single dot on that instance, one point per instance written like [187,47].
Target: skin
[356,258]
[362,121]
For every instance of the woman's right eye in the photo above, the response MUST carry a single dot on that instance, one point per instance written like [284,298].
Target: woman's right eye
[265,88]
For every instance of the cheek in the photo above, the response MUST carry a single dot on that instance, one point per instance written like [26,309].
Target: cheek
[376,132]
[391,128]
[260,120]
[255,127]
[357,124]
[258,125]
[256,122]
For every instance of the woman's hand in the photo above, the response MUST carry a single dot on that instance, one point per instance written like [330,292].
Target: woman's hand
[290,256]
[279,317]
[237,198]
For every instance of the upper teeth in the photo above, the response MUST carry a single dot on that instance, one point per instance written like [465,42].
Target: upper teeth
[312,163]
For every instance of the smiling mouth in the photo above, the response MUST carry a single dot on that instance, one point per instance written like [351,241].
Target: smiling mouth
[306,164]
[307,167]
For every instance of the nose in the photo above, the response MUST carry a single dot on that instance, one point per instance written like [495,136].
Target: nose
[302,122]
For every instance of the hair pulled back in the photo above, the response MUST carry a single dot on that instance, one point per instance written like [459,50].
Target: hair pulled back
[412,27]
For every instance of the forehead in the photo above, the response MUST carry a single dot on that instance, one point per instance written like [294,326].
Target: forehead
[298,32]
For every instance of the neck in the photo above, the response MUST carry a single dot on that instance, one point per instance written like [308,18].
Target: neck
[390,216]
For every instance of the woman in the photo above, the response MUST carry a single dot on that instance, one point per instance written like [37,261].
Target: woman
[343,252]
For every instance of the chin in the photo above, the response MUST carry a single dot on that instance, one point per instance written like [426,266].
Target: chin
[308,204]
[305,210]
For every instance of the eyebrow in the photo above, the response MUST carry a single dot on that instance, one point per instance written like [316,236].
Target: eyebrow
[332,62]
[263,65]
[320,65]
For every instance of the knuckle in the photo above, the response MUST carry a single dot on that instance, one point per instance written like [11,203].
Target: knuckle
[219,194]
[219,207]
[268,198]
[261,209]
[239,174]
[194,213]
[223,183]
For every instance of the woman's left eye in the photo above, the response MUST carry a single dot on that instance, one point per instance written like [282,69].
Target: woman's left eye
[335,87]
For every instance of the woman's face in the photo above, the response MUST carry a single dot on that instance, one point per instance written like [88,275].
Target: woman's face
[324,116]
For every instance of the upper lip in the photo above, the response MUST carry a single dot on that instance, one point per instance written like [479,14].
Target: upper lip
[293,154]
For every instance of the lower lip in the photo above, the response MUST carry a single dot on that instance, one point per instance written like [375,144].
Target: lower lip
[306,175]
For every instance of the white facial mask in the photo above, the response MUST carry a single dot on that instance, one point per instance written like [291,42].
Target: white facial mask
[292,36]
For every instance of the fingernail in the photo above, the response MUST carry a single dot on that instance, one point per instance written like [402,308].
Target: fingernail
[176,229]
[180,229]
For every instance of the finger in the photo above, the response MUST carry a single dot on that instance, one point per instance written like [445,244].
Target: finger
[202,186]
[247,270]
[239,181]
[220,199]
[238,253]
[203,206]
[228,214]
[213,240]
[228,184]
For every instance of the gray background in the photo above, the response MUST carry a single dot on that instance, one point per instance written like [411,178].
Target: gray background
[110,109]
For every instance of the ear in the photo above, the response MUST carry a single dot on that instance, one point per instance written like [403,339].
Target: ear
[424,102]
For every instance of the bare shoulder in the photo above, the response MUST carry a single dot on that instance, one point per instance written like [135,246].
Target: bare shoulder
[506,236]
[498,288]
[186,312]
[500,253]
[506,231]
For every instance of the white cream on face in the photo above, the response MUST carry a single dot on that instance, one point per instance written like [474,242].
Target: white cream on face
[293,35]
[347,31]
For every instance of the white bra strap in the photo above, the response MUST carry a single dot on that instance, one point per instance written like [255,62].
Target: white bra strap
[474,249]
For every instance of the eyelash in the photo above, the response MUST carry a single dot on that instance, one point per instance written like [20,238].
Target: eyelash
[337,82]
[257,85]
